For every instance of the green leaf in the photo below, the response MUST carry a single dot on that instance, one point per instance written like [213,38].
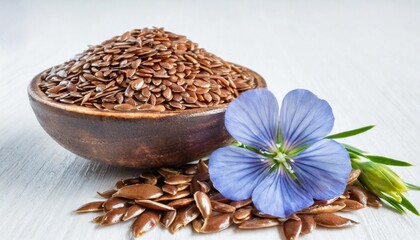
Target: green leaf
[407,204]
[353,149]
[387,161]
[395,204]
[376,159]
[351,132]
[412,186]
[354,156]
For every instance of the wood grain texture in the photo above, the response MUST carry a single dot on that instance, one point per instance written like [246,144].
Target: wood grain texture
[363,57]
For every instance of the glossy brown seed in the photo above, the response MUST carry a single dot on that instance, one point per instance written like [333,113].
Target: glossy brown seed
[167,94]
[345,195]
[144,223]
[242,203]
[107,194]
[373,200]
[132,181]
[183,217]
[308,223]
[166,65]
[292,216]
[171,189]
[166,172]
[351,205]
[207,97]
[201,176]
[176,88]
[167,218]
[242,213]
[98,219]
[292,229]
[190,100]
[132,212]
[203,204]
[219,198]
[113,216]
[139,191]
[316,209]
[119,184]
[130,72]
[86,98]
[204,186]
[239,221]
[175,105]
[178,195]
[358,194]
[202,166]
[181,187]
[137,84]
[256,223]
[147,176]
[191,170]
[177,179]
[90,207]
[325,202]
[190,58]
[222,207]
[119,79]
[180,202]
[158,108]
[331,220]
[136,64]
[123,107]
[114,202]
[258,213]
[120,98]
[202,91]
[197,224]
[202,84]
[154,205]
[354,174]
[216,223]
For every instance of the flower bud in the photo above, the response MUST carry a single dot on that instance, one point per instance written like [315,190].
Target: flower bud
[380,179]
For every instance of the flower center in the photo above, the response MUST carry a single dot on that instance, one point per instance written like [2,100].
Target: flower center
[282,160]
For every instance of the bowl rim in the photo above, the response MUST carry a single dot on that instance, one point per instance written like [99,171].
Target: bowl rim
[37,95]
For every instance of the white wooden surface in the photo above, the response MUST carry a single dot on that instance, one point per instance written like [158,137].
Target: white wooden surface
[362,56]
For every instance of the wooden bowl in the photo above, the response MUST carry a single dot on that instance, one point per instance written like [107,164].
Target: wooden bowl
[132,139]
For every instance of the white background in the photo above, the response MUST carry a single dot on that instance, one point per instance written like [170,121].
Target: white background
[361,56]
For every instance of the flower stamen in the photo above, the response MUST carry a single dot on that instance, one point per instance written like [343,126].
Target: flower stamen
[281,159]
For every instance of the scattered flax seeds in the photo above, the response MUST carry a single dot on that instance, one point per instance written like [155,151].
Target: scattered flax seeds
[176,197]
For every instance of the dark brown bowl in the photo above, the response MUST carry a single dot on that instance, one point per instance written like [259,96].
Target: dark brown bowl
[132,139]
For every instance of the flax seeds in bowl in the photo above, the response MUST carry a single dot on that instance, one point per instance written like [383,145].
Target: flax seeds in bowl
[146,69]
[147,98]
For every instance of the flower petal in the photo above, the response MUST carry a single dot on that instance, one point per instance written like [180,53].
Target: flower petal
[323,169]
[236,171]
[253,119]
[279,195]
[304,119]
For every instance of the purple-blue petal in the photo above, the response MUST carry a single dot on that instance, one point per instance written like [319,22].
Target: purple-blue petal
[323,169]
[253,119]
[304,119]
[279,195]
[235,171]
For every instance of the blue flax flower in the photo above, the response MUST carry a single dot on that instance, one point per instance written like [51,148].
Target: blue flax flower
[284,161]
